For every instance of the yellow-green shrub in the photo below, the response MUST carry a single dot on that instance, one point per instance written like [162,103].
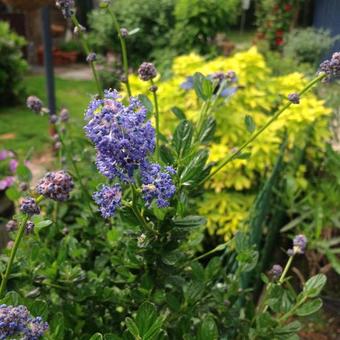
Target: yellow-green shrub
[260,94]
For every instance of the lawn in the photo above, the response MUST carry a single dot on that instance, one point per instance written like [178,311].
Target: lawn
[25,132]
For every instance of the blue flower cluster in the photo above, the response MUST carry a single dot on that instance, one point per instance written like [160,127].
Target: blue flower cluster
[122,136]
[108,199]
[157,185]
[17,321]
[124,140]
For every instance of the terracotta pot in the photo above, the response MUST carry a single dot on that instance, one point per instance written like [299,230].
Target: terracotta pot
[27,5]
[60,58]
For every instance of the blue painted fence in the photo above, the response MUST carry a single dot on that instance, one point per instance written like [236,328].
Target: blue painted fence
[327,15]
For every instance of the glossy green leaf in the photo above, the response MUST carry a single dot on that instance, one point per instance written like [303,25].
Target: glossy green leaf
[146,102]
[97,336]
[314,285]
[309,307]
[189,221]
[24,173]
[132,327]
[203,86]
[208,329]
[178,113]
[183,137]
[250,124]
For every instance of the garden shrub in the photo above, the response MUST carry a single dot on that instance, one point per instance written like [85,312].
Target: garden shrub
[154,18]
[198,22]
[308,45]
[233,188]
[12,65]
[136,271]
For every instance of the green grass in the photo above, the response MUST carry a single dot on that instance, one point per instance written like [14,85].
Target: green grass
[30,132]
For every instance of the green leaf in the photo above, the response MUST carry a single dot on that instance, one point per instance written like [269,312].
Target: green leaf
[208,131]
[195,169]
[250,124]
[178,113]
[147,322]
[203,86]
[11,298]
[24,173]
[244,155]
[97,336]
[132,327]
[289,329]
[183,137]
[191,221]
[39,308]
[314,285]
[208,329]
[146,102]
[167,155]
[171,258]
[309,307]
[13,194]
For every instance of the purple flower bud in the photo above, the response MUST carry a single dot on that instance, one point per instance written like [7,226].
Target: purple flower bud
[29,206]
[13,164]
[64,115]
[331,67]
[34,104]
[276,271]
[91,57]
[56,186]
[299,244]
[53,119]
[57,145]
[11,225]
[78,30]
[153,88]
[124,32]
[66,7]
[147,71]
[231,76]
[29,227]
[294,98]
[3,155]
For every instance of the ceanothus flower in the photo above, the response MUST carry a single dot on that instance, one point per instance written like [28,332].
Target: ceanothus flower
[16,321]
[331,67]
[56,186]
[108,199]
[122,136]
[34,104]
[147,71]
[157,184]
[276,271]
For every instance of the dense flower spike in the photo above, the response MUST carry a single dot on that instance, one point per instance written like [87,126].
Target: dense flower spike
[108,199]
[17,322]
[34,104]
[29,206]
[147,71]
[66,6]
[157,185]
[53,119]
[331,67]
[121,134]
[56,186]
[294,98]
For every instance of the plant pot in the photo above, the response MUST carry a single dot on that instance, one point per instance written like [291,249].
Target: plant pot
[27,5]
[60,58]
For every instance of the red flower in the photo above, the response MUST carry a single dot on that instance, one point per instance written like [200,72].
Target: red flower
[279,33]
[278,41]
[288,7]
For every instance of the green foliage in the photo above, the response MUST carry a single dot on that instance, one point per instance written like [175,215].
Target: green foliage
[12,65]
[154,18]
[198,21]
[308,45]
